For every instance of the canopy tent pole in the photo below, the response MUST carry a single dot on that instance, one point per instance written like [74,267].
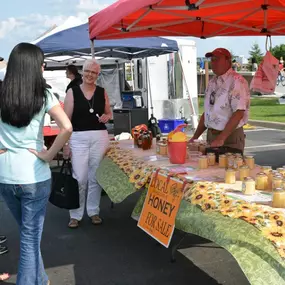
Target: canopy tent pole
[132,75]
[194,116]
[92,49]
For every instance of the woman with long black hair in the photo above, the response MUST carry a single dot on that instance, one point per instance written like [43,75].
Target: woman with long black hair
[25,177]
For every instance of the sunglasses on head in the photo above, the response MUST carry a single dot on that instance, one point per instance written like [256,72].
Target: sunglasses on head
[212,98]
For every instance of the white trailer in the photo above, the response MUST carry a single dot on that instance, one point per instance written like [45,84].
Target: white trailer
[171,82]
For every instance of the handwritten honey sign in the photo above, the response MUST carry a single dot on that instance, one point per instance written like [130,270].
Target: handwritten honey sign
[160,208]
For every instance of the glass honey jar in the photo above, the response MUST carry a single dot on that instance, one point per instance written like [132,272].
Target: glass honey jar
[211,159]
[261,181]
[230,176]
[277,182]
[203,162]
[266,169]
[244,171]
[248,186]
[249,160]
[278,199]
[222,161]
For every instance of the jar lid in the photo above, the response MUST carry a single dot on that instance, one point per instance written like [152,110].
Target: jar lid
[203,156]
[244,167]
[278,190]
[266,167]
[222,155]
[230,170]
[248,179]
[229,153]
[211,154]
[239,158]
[249,156]
[261,174]
[278,177]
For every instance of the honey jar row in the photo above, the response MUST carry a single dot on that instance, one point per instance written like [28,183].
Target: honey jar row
[268,180]
[228,160]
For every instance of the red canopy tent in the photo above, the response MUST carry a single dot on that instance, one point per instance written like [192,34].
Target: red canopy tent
[198,18]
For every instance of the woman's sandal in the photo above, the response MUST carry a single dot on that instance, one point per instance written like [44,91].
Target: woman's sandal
[4,276]
[73,224]
[96,220]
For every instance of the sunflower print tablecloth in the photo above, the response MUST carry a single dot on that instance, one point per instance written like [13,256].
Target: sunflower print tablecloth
[256,255]
[130,174]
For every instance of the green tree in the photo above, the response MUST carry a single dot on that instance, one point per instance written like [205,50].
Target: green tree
[256,53]
[278,51]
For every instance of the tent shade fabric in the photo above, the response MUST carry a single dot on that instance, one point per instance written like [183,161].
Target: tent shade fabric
[198,18]
[75,41]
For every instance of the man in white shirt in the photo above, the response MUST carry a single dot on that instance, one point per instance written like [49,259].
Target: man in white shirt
[226,106]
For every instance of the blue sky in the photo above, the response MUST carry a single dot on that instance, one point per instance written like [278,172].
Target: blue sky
[26,20]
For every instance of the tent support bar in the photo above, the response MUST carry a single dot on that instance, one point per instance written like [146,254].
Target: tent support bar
[142,16]
[210,5]
[171,32]
[222,3]
[205,20]
[234,12]
[277,8]
[139,18]
[162,25]
[246,16]
[278,26]
[198,3]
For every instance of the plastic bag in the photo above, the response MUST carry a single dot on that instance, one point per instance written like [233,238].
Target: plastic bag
[265,78]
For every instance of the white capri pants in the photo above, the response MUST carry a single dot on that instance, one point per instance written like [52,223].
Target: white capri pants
[87,151]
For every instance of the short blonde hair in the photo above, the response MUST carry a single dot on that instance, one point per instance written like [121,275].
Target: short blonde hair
[91,64]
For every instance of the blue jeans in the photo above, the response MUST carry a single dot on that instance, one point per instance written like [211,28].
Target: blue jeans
[28,203]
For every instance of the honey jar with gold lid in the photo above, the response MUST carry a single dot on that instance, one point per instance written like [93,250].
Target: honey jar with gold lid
[244,171]
[203,162]
[230,176]
[202,148]
[163,148]
[278,199]
[248,186]
[238,162]
[266,169]
[277,181]
[211,159]
[261,181]
[222,161]
[249,160]
[230,161]
[281,170]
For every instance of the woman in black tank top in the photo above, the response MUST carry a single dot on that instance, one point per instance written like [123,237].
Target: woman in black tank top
[88,108]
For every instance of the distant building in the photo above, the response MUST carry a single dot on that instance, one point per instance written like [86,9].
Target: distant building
[241,59]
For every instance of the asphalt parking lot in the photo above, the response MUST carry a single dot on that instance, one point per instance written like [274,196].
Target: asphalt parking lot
[267,145]
[119,253]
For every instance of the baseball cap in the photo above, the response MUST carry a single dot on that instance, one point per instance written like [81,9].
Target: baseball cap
[219,52]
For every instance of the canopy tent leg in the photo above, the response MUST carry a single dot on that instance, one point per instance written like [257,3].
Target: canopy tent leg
[132,75]
[194,116]
[92,49]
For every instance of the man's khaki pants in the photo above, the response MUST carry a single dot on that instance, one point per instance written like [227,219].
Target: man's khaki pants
[235,141]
